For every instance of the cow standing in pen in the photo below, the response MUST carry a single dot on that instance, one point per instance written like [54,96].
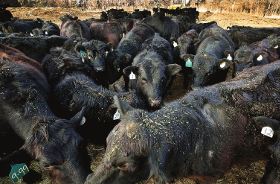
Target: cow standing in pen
[201,136]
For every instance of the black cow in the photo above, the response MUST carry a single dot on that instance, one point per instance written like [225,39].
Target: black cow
[73,88]
[152,67]
[73,26]
[28,124]
[34,47]
[127,49]
[48,29]
[92,52]
[5,15]
[182,48]
[257,53]
[213,57]
[21,26]
[165,26]
[200,136]
[245,35]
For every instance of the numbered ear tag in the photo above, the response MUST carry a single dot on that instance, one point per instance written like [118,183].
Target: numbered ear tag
[267,131]
[82,53]
[188,63]
[132,76]
[117,115]
[18,171]
[229,57]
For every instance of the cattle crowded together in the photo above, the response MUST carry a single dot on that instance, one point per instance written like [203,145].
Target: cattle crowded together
[103,81]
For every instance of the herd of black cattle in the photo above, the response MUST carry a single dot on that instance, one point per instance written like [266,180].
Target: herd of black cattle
[55,98]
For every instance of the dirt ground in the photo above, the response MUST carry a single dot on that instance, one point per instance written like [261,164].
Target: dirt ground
[249,174]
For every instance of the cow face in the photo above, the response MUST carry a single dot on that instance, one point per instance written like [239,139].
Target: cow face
[151,78]
[245,57]
[61,152]
[125,160]
[96,53]
[207,68]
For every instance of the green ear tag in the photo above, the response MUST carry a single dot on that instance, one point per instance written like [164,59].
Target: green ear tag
[188,63]
[82,53]
[18,171]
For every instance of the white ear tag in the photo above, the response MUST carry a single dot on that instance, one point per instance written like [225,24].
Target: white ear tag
[223,64]
[175,44]
[132,76]
[31,34]
[106,53]
[276,47]
[83,59]
[83,121]
[260,58]
[229,57]
[46,33]
[267,131]
[117,115]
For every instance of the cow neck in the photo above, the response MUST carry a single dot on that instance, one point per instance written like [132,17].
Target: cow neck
[37,113]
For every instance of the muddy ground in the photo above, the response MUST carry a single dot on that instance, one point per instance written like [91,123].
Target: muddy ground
[248,174]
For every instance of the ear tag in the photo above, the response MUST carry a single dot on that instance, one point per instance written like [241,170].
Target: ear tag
[260,58]
[117,115]
[106,53]
[83,121]
[267,131]
[229,57]
[82,53]
[18,171]
[223,64]
[188,63]
[31,34]
[276,47]
[175,44]
[132,76]
[46,33]
[39,22]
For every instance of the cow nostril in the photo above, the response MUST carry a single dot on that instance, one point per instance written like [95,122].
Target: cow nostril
[155,103]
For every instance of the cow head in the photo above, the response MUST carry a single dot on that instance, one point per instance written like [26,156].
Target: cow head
[96,53]
[126,158]
[245,57]
[61,151]
[151,77]
[208,68]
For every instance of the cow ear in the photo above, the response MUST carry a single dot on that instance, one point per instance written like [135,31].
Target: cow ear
[260,56]
[262,121]
[128,70]
[172,69]
[122,106]
[224,64]
[79,118]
